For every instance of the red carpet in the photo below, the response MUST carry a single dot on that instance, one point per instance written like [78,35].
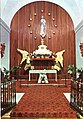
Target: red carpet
[23,89]
[43,101]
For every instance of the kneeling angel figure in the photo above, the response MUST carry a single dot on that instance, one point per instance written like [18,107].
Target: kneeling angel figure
[43,78]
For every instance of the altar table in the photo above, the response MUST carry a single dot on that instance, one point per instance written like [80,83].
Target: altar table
[43,71]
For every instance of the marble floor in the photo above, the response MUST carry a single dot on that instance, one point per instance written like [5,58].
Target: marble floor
[67,95]
[19,96]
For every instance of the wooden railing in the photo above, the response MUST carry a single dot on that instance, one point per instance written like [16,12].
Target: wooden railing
[8,95]
[76,99]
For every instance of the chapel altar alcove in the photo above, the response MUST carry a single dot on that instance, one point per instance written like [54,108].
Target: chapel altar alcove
[43,64]
[25,34]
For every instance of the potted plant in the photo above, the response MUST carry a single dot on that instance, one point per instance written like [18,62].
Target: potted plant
[14,71]
[6,73]
[9,73]
[71,70]
[79,72]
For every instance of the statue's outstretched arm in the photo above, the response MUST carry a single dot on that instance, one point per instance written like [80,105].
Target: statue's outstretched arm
[21,51]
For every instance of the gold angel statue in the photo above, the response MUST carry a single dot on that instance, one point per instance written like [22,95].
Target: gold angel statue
[59,60]
[25,57]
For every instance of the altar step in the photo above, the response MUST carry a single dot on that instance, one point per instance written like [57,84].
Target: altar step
[43,84]
[60,82]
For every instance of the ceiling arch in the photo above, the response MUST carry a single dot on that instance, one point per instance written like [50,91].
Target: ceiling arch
[73,7]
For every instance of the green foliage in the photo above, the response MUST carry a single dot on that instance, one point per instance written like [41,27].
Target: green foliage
[74,71]
[70,68]
[6,72]
[12,70]
[79,70]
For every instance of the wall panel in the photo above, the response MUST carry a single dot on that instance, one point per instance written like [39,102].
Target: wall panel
[25,27]
[5,38]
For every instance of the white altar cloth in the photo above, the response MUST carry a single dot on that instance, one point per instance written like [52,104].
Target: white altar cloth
[43,71]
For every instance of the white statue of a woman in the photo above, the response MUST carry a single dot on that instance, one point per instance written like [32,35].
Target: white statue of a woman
[42,27]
